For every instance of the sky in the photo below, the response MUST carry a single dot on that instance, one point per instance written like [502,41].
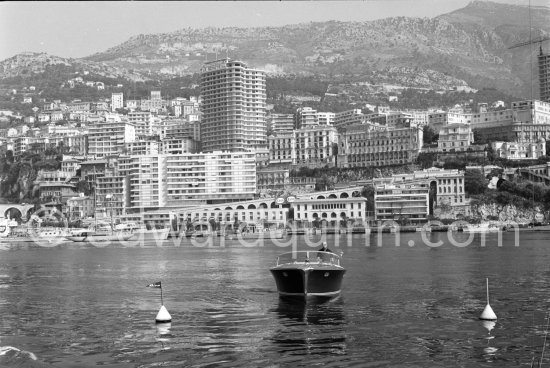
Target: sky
[81,28]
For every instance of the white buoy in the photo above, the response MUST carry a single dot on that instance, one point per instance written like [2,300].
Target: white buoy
[488,314]
[163,316]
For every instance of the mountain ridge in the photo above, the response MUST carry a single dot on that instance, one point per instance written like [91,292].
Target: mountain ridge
[466,47]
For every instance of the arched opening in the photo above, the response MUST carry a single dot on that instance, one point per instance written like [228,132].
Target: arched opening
[344,195]
[13,213]
[324,215]
[332,196]
[239,207]
[333,215]
[273,205]
[262,205]
[228,208]
[251,207]
[320,197]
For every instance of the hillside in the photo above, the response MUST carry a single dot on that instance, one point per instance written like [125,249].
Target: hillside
[467,47]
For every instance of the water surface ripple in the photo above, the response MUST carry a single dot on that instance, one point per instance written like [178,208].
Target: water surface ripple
[411,306]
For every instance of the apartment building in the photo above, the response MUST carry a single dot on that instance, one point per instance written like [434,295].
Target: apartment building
[519,150]
[308,146]
[233,107]
[108,138]
[314,145]
[204,178]
[544,76]
[448,185]
[272,179]
[148,146]
[400,202]
[178,146]
[365,145]
[280,122]
[117,101]
[326,118]
[148,182]
[455,138]
[347,118]
[180,128]
[142,121]
[305,117]
[282,148]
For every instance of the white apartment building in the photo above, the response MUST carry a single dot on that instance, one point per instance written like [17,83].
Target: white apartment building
[117,101]
[306,146]
[399,201]
[455,138]
[210,177]
[282,148]
[233,107]
[519,150]
[143,122]
[155,95]
[306,117]
[280,122]
[544,75]
[314,144]
[183,180]
[326,118]
[449,184]
[347,118]
[178,146]
[180,128]
[365,145]
[108,139]
[142,147]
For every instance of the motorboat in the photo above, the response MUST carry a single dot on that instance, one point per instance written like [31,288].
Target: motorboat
[485,227]
[306,274]
[99,236]
[143,234]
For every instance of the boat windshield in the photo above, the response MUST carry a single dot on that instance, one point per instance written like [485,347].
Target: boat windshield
[313,256]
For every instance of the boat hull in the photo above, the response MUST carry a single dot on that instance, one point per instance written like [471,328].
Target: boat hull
[307,281]
[151,235]
[99,238]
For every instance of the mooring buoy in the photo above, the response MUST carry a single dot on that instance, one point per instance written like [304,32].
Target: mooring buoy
[488,314]
[163,316]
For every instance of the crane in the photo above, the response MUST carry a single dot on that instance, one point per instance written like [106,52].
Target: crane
[525,43]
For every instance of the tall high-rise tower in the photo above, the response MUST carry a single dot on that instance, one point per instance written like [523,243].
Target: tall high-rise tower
[233,107]
[544,76]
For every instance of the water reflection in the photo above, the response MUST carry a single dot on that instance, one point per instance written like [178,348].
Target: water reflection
[316,327]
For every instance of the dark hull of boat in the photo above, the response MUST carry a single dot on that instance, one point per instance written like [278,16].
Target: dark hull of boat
[308,282]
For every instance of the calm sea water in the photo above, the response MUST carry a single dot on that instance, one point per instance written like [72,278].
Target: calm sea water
[413,306]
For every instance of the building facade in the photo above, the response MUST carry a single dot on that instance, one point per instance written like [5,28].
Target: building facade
[233,107]
[117,101]
[455,138]
[365,145]
[544,76]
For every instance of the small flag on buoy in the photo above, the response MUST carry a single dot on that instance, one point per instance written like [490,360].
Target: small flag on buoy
[488,314]
[162,316]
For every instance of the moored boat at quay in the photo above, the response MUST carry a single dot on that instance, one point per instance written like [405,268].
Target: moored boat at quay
[306,274]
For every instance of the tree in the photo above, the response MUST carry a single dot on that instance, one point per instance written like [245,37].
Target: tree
[335,153]
[429,136]
[474,182]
